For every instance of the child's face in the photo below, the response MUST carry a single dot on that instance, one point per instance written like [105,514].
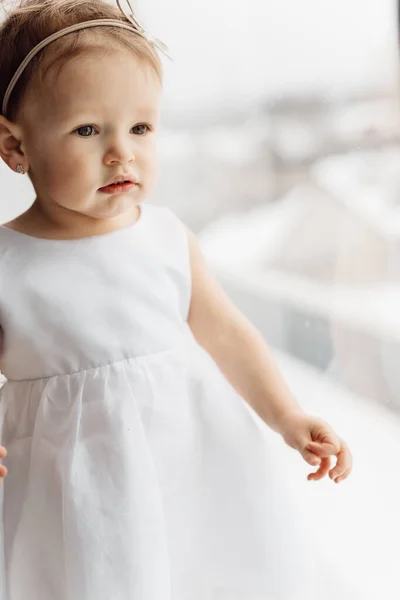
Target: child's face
[98,121]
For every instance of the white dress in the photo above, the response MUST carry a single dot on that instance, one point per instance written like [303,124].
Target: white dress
[135,471]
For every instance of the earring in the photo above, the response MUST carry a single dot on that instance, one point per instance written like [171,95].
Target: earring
[20,169]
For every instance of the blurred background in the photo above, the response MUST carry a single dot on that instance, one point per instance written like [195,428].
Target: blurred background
[280,149]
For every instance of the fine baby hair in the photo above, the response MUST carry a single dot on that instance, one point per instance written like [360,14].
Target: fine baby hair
[33,21]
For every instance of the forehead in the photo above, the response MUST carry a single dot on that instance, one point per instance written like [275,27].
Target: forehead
[105,82]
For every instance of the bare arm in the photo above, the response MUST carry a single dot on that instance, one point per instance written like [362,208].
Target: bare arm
[236,346]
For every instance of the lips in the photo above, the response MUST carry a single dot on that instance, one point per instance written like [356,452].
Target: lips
[120,179]
[118,188]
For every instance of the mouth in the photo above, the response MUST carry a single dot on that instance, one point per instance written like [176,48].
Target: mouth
[121,179]
[118,188]
[119,184]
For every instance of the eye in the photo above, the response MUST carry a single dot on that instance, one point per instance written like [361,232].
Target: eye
[141,129]
[84,131]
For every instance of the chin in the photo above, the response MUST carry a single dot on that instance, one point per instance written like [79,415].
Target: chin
[115,207]
[116,212]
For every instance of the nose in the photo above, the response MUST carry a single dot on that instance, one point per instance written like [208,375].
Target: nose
[119,152]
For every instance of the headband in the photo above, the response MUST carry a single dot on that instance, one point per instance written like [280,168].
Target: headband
[133,25]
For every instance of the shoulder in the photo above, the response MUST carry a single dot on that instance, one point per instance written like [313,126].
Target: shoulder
[162,217]
[165,226]
[168,239]
[166,222]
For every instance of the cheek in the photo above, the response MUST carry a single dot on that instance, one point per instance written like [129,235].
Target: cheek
[150,176]
[62,162]
[51,165]
[66,171]
[151,164]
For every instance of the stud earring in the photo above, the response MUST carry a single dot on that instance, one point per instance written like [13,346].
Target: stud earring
[20,169]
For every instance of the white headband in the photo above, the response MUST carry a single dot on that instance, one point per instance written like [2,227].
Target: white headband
[133,25]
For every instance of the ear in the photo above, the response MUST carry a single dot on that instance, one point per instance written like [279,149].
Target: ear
[10,145]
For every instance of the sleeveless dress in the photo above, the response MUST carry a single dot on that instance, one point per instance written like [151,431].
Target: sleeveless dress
[135,470]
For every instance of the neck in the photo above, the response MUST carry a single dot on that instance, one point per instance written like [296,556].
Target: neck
[65,224]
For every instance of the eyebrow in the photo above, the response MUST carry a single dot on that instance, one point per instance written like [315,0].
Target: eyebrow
[142,112]
[87,116]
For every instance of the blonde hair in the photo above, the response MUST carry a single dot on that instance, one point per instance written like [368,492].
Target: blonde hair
[34,20]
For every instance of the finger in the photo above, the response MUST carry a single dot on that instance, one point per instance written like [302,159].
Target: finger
[322,471]
[344,462]
[343,476]
[311,458]
[3,471]
[3,452]
[324,449]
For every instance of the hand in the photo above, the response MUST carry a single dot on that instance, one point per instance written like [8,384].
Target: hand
[317,442]
[3,469]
